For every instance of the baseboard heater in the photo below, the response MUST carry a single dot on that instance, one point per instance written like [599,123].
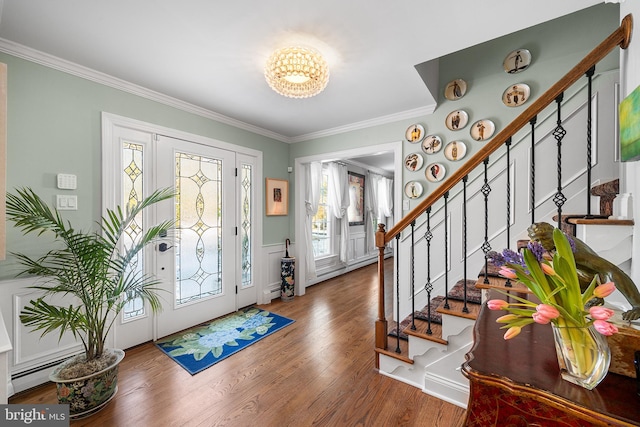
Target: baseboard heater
[39,368]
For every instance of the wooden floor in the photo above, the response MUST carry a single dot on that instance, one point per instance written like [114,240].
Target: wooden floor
[317,372]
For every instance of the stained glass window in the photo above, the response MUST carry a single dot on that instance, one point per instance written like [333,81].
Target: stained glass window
[246,180]
[132,193]
[198,227]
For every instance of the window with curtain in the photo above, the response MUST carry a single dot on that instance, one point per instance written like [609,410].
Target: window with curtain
[321,231]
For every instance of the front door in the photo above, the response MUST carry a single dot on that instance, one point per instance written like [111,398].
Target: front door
[197,262]
[207,264]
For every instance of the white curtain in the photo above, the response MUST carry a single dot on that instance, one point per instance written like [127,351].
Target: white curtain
[338,196]
[371,209]
[311,200]
[385,197]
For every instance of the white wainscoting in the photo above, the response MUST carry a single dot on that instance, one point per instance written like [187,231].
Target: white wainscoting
[32,357]
[273,254]
[326,268]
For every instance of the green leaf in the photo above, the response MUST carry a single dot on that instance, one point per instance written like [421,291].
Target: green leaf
[538,281]
[563,248]
[92,268]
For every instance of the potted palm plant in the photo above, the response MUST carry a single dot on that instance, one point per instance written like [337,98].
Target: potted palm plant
[97,269]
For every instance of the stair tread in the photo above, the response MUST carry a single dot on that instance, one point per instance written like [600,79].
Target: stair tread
[421,331]
[392,344]
[500,283]
[436,317]
[392,328]
[473,294]
[456,307]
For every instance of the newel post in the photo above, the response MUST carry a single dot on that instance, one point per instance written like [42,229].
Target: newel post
[381,323]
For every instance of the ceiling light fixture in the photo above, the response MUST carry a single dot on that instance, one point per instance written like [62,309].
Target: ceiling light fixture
[297,72]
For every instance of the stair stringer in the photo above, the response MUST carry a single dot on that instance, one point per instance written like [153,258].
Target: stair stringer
[401,371]
[436,367]
[443,377]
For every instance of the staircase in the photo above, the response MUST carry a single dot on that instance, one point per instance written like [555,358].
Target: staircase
[431,354]
[434,339]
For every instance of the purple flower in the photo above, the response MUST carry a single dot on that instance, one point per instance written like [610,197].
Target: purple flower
[513,257]
[496,258]
[536,249]
[572,242]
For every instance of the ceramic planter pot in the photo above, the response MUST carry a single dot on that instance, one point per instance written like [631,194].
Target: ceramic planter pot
[90,393]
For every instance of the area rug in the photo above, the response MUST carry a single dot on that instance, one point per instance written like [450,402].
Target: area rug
[202,346]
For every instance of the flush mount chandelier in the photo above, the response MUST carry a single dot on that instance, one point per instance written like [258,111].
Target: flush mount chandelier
[297,72]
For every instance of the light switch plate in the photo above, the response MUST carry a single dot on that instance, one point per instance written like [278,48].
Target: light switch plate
[66,203]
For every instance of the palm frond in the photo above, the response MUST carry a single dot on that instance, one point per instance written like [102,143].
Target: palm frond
[94,268]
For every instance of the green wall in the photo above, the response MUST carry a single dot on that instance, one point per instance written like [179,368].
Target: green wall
[54,126]
[54,117]
[555,46]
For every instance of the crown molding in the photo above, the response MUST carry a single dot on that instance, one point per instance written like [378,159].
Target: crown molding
[50,61]
[53,62]
[402,115]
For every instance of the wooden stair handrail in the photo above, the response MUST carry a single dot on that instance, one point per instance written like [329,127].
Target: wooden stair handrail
[620,37]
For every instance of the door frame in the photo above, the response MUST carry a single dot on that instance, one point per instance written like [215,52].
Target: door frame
[110,122]
[300,208]
[179,316]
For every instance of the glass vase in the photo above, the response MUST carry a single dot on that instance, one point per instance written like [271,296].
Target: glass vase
[583,354]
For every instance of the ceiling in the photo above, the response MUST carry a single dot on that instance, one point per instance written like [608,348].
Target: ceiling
[208,56]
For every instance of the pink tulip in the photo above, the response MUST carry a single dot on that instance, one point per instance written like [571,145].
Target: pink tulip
[604,290]
[509,273]
[548,311]
[540,318]
[601,313]
[605,328]
[506,318]
[512,332]
[497,304]
[548,270]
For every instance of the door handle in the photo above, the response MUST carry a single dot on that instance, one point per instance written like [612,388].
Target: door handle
[163,247]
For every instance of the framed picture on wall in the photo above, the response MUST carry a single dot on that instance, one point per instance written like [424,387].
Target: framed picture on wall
[277,196]
[628,113]
[355,213]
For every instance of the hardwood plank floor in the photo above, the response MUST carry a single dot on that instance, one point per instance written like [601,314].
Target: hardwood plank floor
[317,372]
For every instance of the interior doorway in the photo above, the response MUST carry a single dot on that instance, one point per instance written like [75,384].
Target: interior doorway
[357,156]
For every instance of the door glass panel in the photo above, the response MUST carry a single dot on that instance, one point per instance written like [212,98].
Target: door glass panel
[132,191]
[198,228]
[246,180]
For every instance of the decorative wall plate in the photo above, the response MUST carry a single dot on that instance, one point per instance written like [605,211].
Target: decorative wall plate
[435,172]
[516,95]
[414,133]
[456,120]
[482,130]
[517,61]
[413,189]
[455,89]
[413,161]
[432,144]
[455,150]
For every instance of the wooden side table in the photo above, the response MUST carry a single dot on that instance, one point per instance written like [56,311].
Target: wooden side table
[518,383]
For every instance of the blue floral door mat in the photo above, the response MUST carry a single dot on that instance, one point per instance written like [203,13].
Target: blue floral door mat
[202,346]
